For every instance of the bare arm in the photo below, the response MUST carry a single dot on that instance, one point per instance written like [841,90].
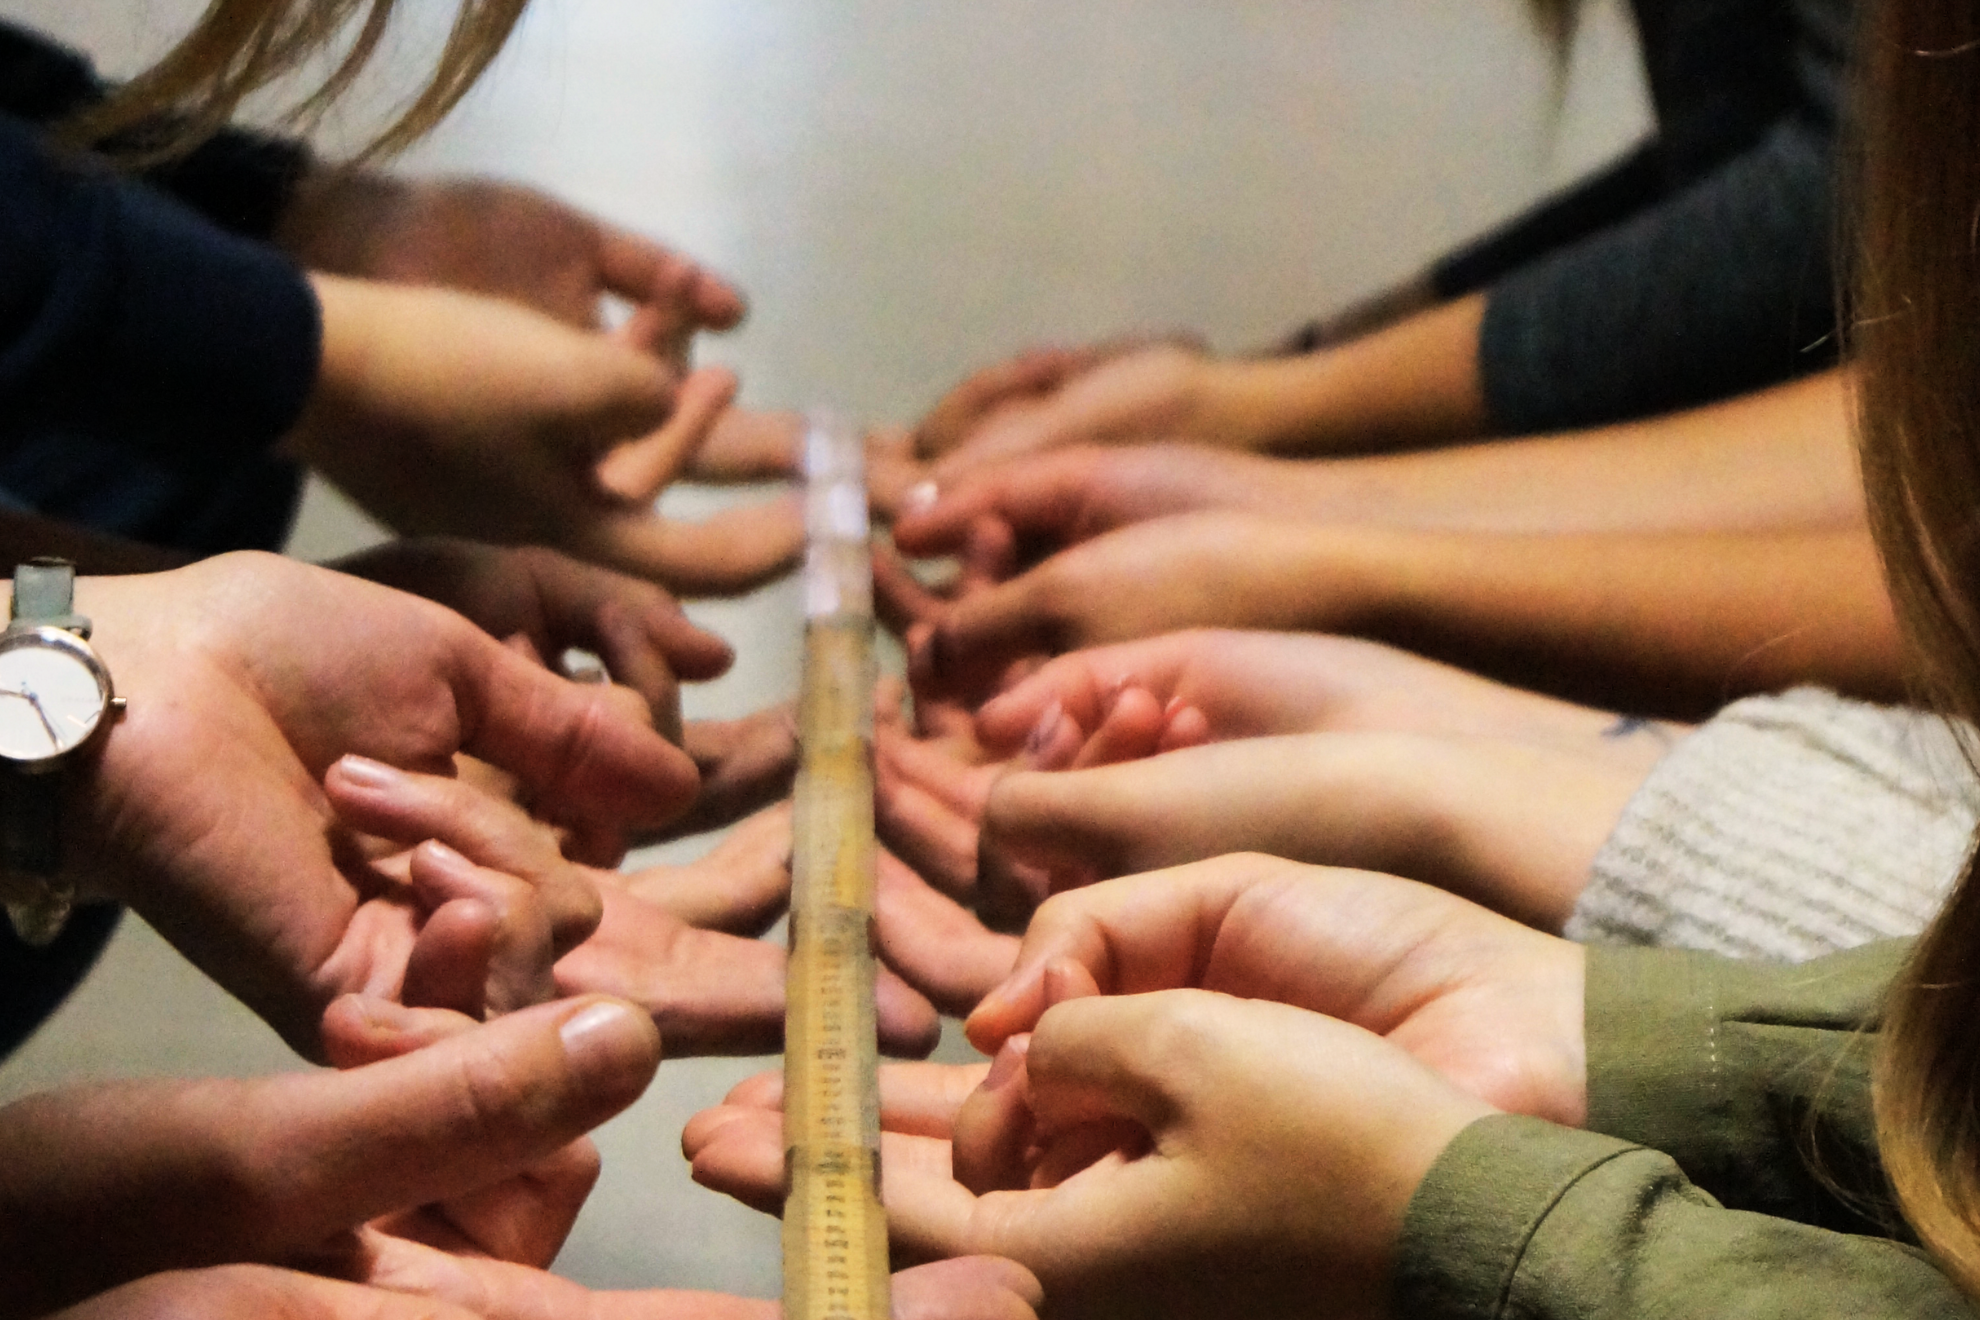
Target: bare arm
[1674,624]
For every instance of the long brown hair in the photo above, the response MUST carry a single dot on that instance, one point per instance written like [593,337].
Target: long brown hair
[1917,342]
[239,47]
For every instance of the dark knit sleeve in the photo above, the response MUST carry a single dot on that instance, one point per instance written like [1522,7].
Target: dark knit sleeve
[124,312]
[238,179]
[1725,287]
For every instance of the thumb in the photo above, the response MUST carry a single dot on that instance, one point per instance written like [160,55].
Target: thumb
[463,1113]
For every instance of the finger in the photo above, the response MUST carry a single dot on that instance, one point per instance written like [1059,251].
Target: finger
[449,966]
[937,841]
[989,556]
[520,941]
[937,946]
[919,1099]
[967,1288]
[976,639]
[631,623]
[745,764]
[487,840]
[708,993]
[1106,1058]
[1185,726]
[993,1129]
[360,1029]
[1034,371]
[260,1292]
[1146,932]
[1082,683]
[928,1211]
[523,1219]
[636,268]
[584,765]
[270,1168]
[899,599]
[1132,729]
[638,471]
[747,444]
[739,887]
[735,551]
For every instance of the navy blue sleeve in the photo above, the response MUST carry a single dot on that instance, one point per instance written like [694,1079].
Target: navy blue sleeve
[124,312]
[238,179]
[1726,286]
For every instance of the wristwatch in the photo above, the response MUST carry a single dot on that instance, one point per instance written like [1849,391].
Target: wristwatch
[56,699]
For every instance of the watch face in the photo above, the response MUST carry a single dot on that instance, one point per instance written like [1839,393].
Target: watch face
[53,693]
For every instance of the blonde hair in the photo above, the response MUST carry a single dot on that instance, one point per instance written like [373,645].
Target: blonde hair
[1917,342]
[240,47]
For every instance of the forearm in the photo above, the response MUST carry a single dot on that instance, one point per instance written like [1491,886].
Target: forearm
[1674,624]
[1414,383]
[1781,458]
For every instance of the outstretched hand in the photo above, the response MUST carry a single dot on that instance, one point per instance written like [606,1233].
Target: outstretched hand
[248,677]
[487,236]
[1179,1154]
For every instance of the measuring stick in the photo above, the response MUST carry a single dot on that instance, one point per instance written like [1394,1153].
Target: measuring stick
[835,1232]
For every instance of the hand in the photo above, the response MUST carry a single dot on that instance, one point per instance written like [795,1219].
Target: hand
[1214,684]
[248,676]
[972,1288]
[485,236]
[1122,391]
[442,412]
[1049,501]
[1212,569]
[557,603]
[1190,1154]
[1489,1003]
[677,940]
[745,764]
[442,1137]
[1512,826]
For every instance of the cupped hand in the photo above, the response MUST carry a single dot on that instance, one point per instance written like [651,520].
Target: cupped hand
[248,676]
[557,602]
[1494,1006]
[1174,1154]
[487,236]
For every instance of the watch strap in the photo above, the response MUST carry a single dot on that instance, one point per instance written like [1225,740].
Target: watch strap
[37,899]
[45,596]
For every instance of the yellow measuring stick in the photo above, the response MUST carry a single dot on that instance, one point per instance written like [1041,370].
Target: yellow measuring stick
[835,1231]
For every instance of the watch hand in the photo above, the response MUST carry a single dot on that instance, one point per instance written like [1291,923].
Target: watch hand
[54,739]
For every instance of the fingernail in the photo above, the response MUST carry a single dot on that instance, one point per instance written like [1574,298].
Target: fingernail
[1043,732]
[367,773]
[1113,698]
[439,852]
[605,1038]
[920,497]
[1008,1060]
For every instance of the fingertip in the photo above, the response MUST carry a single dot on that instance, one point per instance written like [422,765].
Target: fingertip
[763,1091]
[611,1047]
[909,1026]
[1186,727]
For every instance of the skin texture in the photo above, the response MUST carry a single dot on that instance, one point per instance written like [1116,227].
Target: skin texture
[248,676]
[1675,624]
[1412,383]
[528,396]
[1428,771]
[1781,458]
[1277,1055]
[436,1176]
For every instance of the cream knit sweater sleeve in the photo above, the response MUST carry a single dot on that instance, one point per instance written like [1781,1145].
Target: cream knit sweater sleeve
[1784,828]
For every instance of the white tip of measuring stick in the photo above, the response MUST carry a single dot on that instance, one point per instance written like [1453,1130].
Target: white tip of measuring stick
[838,567]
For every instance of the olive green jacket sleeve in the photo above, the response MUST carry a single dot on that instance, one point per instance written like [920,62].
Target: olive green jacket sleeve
[1729,1169]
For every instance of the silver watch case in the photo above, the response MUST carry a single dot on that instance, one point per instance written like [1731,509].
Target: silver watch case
[61,639]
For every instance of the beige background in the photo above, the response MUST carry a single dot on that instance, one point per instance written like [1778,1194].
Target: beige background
[907,190]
